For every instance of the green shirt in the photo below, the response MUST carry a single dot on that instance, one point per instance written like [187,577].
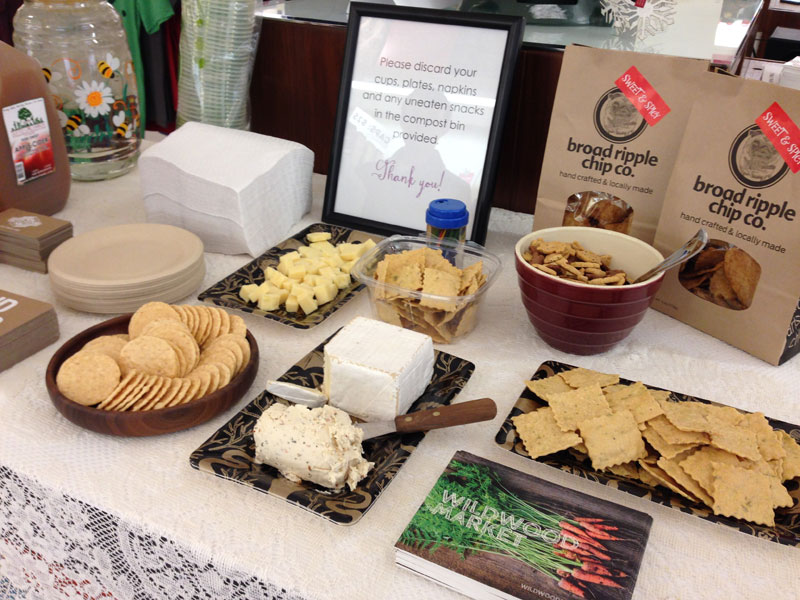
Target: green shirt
[150,14]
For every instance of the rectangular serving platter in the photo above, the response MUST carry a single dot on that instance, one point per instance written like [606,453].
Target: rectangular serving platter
[225,293]
[787,520]
[229,453]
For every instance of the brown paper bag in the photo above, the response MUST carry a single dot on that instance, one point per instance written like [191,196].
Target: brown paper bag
[738,184]
[606,164]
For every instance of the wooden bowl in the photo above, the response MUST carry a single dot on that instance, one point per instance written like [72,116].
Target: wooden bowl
[151,422]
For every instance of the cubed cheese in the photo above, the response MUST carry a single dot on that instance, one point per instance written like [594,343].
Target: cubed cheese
[374,370]
[269,302]
[318,236]
[249,292]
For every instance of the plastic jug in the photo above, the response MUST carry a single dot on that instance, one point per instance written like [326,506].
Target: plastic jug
[34,168]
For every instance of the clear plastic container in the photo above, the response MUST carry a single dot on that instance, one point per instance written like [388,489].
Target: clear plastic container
[444,318]
[83,51]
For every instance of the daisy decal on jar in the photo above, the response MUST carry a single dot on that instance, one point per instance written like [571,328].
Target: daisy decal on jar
[94,98]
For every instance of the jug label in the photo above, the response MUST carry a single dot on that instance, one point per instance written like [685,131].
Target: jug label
[29,137]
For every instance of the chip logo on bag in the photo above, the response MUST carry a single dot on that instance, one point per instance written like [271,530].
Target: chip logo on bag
[734,178]
[616,125]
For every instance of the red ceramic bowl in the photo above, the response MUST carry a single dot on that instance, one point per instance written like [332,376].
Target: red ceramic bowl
[581,318]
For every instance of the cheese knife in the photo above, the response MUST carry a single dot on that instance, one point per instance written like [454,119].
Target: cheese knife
[462,413]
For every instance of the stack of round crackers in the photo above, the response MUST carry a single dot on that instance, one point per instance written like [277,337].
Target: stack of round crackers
[171,355]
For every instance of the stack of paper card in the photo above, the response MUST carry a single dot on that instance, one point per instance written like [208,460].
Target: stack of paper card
[27,239]
[240,192]
[26,326]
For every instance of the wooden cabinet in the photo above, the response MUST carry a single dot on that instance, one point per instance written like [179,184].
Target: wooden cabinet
[295,90]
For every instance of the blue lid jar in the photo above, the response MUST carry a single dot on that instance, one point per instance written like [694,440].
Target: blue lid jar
[447,213]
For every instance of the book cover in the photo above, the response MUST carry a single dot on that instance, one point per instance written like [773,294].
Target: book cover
[489,531]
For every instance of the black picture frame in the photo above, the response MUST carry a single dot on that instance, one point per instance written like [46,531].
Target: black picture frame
[514,27]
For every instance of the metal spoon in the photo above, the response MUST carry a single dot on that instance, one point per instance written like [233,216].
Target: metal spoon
[681,255]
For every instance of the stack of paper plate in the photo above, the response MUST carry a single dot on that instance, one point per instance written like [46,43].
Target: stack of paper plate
[117,269]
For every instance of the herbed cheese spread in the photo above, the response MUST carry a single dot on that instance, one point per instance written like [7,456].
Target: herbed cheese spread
[320,445]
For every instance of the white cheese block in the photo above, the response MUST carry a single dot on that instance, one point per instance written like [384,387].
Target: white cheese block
[320,445]
[375,371]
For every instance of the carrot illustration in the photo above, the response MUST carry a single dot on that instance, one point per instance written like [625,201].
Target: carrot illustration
[566,585]
[596,568]
[592,578]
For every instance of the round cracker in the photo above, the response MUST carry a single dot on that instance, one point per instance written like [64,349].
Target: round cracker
[88,377]
[187,394]
[238,326]
[203,322]
[185,316]
[225,321]
[135,384]
[242,343]
[229,341]
[141,392]
[216,323]
[110,345]
[150,312]
[220,354]
[160,385]
[164,399]
[220,376]
[183,341]
[150,355]
[213,375]
[123,388]
[183,385]
[203,375]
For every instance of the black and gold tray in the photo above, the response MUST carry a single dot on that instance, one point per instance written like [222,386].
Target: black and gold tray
[787,520]
[225,292]
[230,451]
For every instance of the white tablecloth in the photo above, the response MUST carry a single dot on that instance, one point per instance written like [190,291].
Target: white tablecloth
[83,513]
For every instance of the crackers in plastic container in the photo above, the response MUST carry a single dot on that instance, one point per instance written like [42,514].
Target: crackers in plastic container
[171,355]
[733,462]
[421,290]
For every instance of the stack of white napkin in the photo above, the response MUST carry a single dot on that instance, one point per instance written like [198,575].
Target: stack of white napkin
[240,192]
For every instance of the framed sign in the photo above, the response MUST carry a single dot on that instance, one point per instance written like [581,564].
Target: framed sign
[421,109]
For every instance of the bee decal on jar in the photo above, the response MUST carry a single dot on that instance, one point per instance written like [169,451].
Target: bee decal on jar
[73,122]
[48,74]
[123,128]
[105,69]
[108,67]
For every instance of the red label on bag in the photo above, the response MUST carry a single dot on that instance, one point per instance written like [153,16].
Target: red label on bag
[642,95]
[640,3]
[783,133]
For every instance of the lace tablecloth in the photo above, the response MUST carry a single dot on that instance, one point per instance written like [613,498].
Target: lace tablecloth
[84,515]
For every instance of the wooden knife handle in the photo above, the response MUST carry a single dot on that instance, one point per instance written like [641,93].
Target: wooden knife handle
[447,416]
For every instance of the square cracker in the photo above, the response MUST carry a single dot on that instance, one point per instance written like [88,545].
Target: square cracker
[570,408]
[662,478]
[674,470]
[635,398]
[580,377]
[673,435]
[737,440]
[541,434]
[663,447]
[769,444]
[439,283]
[742,494]
[698,465]
[612,439]
[687,416]
[791,462]
[548,386]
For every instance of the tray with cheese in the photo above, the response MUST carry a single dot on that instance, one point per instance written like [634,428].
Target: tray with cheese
[299,282]
[230,453]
